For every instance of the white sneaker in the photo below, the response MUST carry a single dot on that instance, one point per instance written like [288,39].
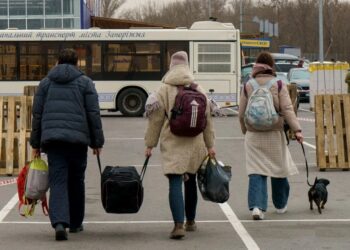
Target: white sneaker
[281,210]
[257,214]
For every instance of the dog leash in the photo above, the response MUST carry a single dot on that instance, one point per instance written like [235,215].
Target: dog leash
[307,165]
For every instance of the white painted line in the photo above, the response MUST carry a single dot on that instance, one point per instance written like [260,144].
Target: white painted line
[306,119]
[306,110]
[8,207]
[237,225]
[141,138]
[300,220]
[115,222]
[170,222]
[309,145]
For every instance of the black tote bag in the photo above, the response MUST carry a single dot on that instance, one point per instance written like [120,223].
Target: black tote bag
[213,181]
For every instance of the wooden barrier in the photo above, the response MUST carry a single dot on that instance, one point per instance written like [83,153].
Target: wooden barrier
[293,93]
[332,131]
[29,90]
[15,127]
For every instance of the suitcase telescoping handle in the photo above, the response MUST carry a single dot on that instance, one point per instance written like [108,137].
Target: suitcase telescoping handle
[143,171]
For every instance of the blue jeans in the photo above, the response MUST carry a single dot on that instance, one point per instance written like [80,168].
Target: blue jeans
[257,192]
[67,164]
[177,205]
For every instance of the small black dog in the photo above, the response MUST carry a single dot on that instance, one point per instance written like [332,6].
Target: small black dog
[319,194]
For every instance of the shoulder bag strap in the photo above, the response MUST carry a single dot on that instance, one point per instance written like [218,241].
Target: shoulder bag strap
[99,164]
[143,171]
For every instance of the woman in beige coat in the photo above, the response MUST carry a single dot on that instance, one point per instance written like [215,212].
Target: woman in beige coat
[181,156]
[266,152]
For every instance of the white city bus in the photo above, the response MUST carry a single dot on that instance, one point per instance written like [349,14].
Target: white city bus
[126,64]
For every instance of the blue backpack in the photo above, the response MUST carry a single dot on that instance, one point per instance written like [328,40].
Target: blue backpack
[260,112]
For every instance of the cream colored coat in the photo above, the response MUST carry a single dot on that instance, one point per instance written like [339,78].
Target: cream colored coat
[179,155]
[267,152]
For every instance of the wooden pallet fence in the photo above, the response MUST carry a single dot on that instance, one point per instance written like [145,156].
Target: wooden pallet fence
[293,93]
[15,127]
[332,131]
[30,90]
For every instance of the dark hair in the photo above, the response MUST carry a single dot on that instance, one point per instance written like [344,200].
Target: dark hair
[265,58]
[68,56]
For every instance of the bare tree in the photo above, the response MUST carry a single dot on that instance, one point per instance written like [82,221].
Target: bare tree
[108,7]
[297,19]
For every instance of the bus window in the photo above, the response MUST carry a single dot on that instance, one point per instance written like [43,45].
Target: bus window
[171,48]
[214,58]
[96,58]
[32,62]
[134,59]
[52,55]
[8,62]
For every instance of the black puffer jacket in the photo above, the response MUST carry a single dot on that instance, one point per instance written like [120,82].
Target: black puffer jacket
[66,110]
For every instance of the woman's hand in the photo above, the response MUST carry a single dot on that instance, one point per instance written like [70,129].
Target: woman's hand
[211,152]
[36,153]
[96,151]
[148,152]
[299,136]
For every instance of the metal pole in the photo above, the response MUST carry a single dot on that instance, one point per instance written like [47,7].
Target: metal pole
[241,17]
[320,27]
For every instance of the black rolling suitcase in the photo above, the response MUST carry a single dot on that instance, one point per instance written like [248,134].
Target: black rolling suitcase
[121,188]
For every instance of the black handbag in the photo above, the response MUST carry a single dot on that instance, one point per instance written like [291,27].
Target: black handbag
[213,180]
[121,188]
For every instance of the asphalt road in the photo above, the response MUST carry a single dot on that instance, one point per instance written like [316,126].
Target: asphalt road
[220,226]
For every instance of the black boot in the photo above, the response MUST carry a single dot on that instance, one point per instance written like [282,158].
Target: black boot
[76,229]
[61,233]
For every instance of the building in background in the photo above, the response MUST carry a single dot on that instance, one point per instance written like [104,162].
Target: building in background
[47,14]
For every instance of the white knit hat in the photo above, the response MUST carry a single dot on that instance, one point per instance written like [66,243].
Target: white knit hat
[178,58]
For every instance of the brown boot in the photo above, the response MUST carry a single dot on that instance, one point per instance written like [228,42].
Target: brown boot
[178,231]
[190,226]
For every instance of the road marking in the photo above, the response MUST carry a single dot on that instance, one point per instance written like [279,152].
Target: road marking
[309,145]
[237,225]
[141,138]
[306,119]
[115,222]
[299,220]
[306,110]
[8,182]
[8,207]
[170,221]
[217,138]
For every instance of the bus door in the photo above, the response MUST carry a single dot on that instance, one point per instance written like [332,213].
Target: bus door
[215,67]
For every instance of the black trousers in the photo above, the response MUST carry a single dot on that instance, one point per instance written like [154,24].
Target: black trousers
[67,164]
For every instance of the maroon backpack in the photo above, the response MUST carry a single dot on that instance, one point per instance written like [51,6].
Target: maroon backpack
[188,114]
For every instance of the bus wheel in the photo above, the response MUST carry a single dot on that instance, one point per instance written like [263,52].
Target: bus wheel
[131,102]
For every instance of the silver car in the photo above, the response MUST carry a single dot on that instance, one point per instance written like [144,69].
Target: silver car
[301,77]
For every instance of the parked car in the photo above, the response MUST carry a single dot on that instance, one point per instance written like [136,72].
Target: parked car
[301,77]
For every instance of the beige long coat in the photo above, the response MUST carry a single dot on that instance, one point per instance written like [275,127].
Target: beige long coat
[266,151]
[179,155]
